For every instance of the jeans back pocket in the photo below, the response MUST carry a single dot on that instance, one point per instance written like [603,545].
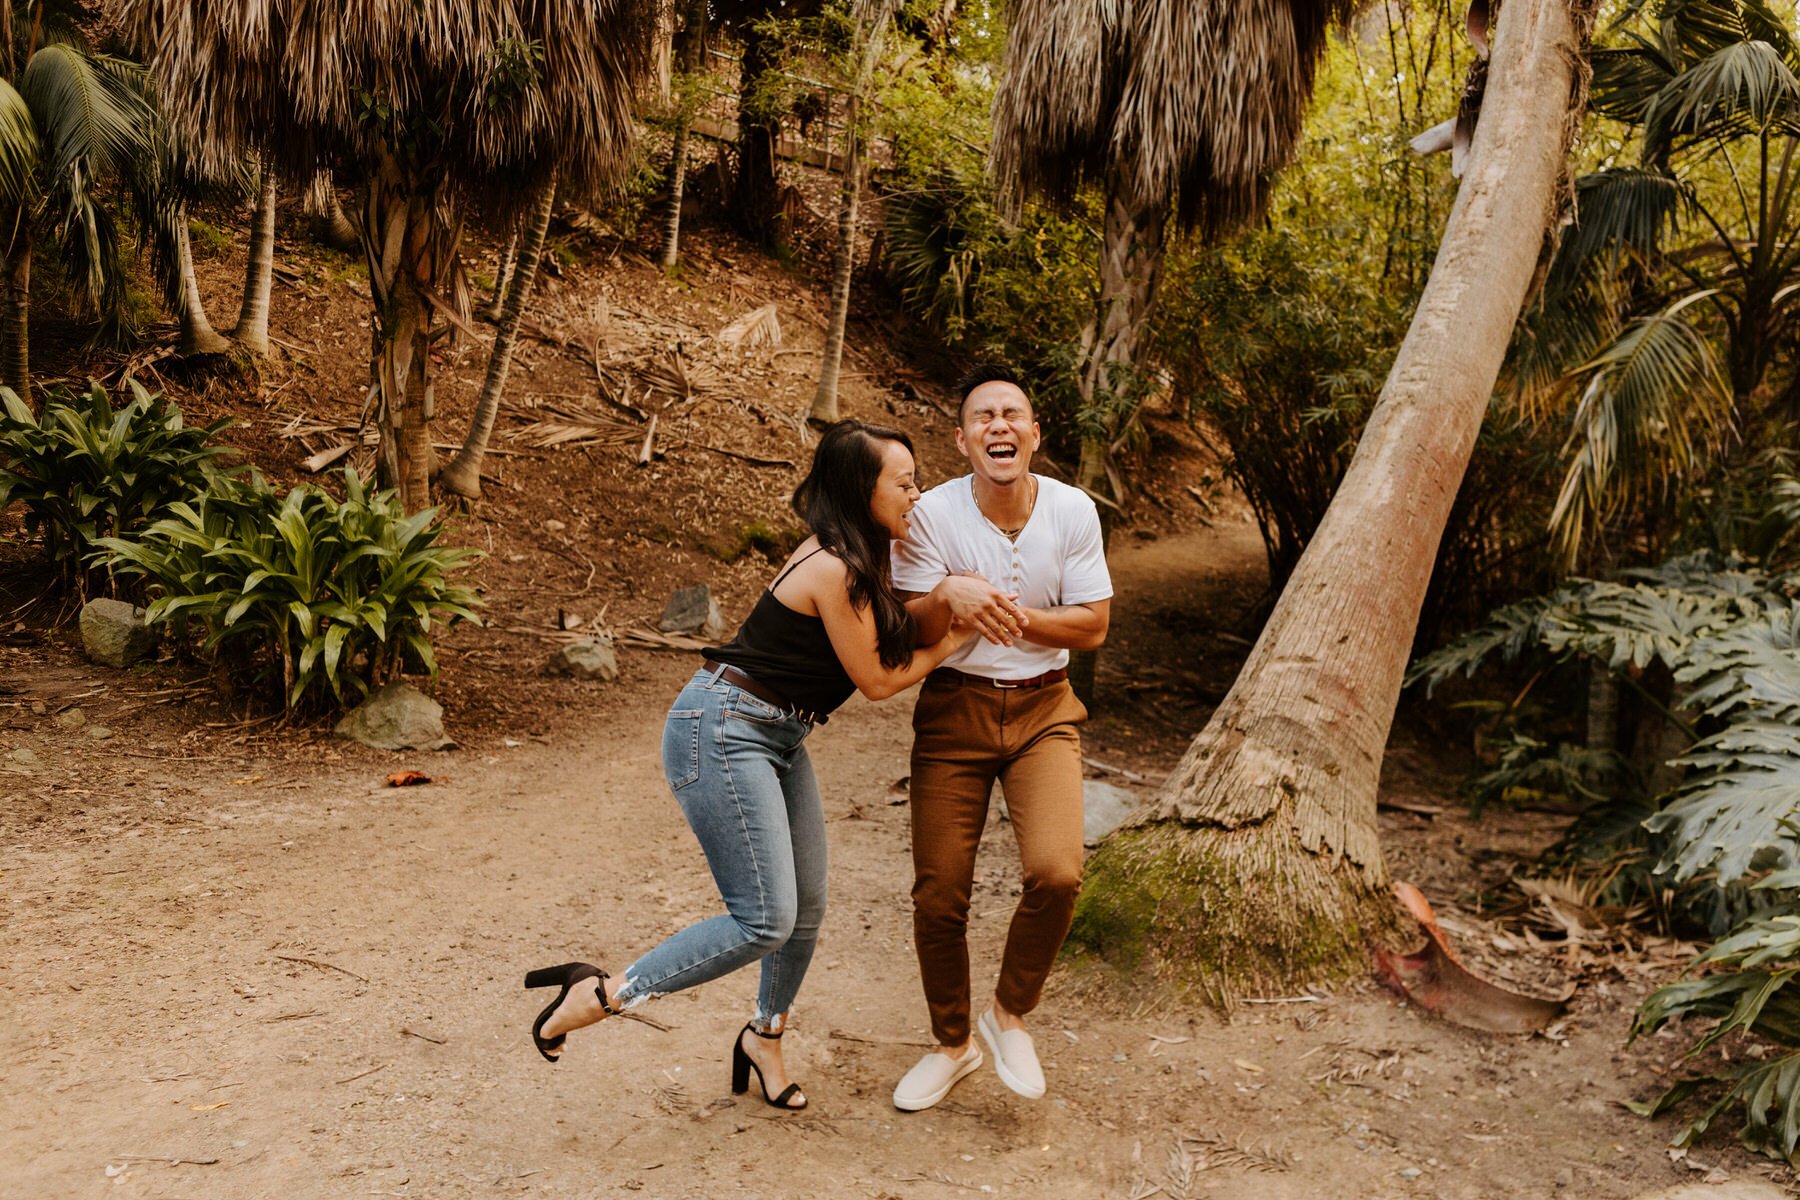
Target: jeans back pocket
[681,747]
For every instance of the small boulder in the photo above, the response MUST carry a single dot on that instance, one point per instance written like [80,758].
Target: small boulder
[24,760]
[99,733]
[693,610]
[590,658]
[1103,809]
[69,720]
[114,634]
[396,717]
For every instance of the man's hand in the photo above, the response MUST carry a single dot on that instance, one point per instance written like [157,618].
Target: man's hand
[976,604]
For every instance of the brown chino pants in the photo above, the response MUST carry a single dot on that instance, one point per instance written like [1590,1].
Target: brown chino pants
[965,737]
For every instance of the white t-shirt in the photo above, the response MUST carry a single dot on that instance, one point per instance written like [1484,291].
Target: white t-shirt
[1058,559]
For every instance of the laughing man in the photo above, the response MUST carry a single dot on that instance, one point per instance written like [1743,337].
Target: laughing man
[1019,557]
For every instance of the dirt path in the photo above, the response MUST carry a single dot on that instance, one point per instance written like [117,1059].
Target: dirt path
[250,974]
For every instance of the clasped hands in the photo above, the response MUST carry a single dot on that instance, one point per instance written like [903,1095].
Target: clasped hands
[978,605]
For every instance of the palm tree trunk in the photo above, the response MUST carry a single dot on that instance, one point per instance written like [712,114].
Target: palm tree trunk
[329,223]
[252,331]
[1131,257]
[1258,864]
[463,475]
[197,334]
[843,265]
[503,275]
[406,255]
[15,315]
[671,246]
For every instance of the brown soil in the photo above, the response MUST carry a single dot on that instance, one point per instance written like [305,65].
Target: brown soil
[238,965]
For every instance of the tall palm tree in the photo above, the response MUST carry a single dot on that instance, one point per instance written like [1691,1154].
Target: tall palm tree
[1258,863]
[73,124]
[1188,104]
[462,474]
[869,20]
[434,105]
[690,55]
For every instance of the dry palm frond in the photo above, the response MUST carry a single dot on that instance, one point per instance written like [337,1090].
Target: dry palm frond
[502,94]
[569,425]
[1204,1151]
[1199,100]
[759,327]
[676,378]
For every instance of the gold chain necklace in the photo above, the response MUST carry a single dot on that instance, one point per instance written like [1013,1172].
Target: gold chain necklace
[1012,535]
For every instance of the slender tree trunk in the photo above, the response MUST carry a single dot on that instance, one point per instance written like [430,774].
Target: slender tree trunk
[1258,863]
[503,277]
[1131,257]
[463,475]
[671,245]
[252,330]
[197,334]
[756,202]
[15,314]
[407,252]
[690,46]
[843,266]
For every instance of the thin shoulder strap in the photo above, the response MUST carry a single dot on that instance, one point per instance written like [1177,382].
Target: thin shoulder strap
[788,570]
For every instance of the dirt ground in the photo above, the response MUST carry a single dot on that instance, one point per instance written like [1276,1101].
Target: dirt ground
[238,965]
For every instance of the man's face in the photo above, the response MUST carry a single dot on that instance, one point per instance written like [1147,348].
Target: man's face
[998,432]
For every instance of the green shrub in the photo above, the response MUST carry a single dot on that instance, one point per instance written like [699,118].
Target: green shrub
[325,599]
[85,471]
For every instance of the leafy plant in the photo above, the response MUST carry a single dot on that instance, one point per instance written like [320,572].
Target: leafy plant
[325,599]
[86,471]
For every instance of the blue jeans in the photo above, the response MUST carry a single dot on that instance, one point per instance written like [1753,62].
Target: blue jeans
[739,769]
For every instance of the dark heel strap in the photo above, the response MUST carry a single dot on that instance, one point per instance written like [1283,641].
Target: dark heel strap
[605,1004]
[767,1037]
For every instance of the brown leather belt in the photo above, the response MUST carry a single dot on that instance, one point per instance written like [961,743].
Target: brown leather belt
[955,678]
[743,679]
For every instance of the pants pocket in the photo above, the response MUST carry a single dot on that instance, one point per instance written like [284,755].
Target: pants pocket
[681,747]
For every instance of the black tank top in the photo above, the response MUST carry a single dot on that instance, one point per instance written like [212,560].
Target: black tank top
[789,652]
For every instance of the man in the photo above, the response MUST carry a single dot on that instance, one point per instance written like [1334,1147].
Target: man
[1019,557]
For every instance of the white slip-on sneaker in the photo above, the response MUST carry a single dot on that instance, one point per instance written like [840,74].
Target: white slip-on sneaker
[1015,1058]
[932,1077]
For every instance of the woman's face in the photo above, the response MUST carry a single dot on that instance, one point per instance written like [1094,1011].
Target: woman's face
[895,491]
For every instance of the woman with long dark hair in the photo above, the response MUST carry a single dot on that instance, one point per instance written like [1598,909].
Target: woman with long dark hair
[734,753]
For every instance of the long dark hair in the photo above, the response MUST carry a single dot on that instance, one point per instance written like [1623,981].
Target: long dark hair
[833,500]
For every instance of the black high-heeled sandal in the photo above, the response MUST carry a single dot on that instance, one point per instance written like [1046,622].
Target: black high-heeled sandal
[742,1064]
[565,976]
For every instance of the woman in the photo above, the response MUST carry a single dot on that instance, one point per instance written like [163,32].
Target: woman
[734,753]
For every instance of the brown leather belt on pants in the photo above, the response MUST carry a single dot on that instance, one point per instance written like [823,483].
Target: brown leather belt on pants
[762,691]
[957,678]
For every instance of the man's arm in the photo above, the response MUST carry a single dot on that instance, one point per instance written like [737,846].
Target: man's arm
[1068,626]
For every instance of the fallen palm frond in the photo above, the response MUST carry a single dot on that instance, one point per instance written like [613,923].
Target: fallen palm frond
[553,424]
[759,327]
[675,377]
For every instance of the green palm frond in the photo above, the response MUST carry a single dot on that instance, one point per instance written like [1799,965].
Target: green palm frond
[1628,79]
[92,112]
[1653,402]
[18,147]
[1744,86]
[1622,210]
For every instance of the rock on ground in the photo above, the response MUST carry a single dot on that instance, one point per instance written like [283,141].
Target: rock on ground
[114,634]
[1103,808]
[587,659]
[397,717]
[693,610]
